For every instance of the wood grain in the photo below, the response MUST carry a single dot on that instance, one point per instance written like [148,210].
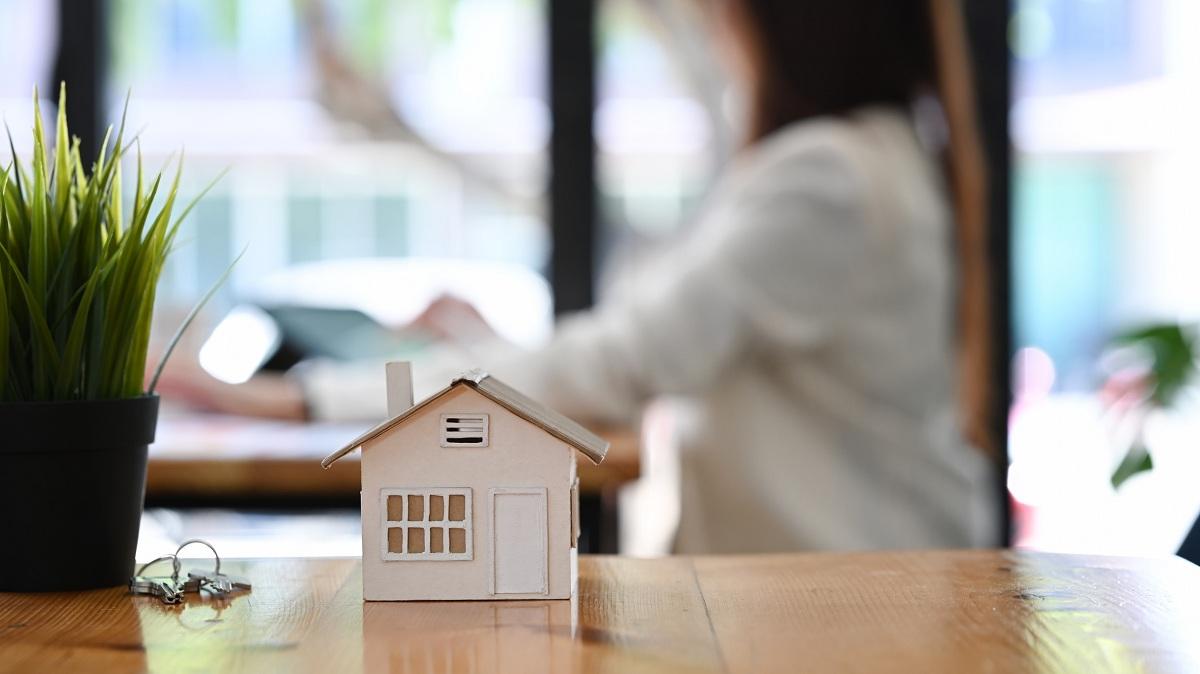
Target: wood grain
[186,464]
[962,612]
[874,612]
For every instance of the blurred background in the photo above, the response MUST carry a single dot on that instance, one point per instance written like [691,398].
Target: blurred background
[540,146]
[1104,94]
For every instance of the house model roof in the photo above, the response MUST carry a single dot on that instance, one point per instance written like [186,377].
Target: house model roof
[592,445]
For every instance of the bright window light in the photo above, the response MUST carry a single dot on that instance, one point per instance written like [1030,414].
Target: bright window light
[240,344]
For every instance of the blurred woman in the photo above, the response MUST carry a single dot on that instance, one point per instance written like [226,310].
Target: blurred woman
[818,314]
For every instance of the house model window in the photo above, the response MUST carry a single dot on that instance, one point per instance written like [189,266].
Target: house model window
[463,429]
[426,524]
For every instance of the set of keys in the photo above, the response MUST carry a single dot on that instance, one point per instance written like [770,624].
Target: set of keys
[170,589]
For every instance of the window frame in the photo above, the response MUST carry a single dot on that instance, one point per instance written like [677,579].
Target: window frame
[426,524]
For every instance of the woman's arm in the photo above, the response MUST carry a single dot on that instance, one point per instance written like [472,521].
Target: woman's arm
[766,269]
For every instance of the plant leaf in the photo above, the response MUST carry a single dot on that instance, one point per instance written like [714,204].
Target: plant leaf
[1137,460]
[62,171]
[37,318]
[1172,352]
[188,321]
[72,356]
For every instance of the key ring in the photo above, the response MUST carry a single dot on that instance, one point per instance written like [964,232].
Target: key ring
[190,541]
[174,565]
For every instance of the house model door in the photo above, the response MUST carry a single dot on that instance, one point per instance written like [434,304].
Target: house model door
[519,541]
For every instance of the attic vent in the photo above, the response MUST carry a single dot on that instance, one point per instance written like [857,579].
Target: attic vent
[460,429]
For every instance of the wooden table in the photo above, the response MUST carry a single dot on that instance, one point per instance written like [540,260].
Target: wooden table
[227,458]
[968,611]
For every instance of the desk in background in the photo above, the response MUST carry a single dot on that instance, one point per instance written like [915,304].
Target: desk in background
[970,611]
[239,461]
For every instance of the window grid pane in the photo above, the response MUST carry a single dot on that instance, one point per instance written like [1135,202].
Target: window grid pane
[458,540]
[395,508]
[427,524]
[457,507]
[395,540]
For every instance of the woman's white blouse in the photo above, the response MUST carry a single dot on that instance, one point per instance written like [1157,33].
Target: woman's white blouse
[808,321]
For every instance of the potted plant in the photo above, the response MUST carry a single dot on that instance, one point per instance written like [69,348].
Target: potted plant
[78,272]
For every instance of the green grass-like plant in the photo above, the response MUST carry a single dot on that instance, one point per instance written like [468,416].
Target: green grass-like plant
[78,271]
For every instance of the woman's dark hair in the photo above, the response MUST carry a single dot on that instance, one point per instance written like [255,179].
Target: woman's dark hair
[830,57]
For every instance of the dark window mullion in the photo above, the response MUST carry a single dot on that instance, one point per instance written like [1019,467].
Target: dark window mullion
[572,191]
[81,60]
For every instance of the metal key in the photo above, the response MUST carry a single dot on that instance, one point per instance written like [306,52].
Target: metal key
[219,583]
[214,581]
[210,581]
[163,588]
[190,585]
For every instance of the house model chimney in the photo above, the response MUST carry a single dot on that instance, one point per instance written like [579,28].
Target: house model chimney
[399,387]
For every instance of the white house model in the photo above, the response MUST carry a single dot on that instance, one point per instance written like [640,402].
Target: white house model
[469,494]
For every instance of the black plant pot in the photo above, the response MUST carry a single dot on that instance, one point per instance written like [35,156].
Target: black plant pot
[72,481]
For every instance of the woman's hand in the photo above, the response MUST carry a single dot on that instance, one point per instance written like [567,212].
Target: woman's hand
[268,395]
[451,319]
[276,396]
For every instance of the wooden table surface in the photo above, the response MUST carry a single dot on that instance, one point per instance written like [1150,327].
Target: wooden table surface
[229,458]
[971,611]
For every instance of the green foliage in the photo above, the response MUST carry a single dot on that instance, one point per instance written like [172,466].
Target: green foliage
[78,272]
[1136,461]
[1170,350]
[1172,353]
